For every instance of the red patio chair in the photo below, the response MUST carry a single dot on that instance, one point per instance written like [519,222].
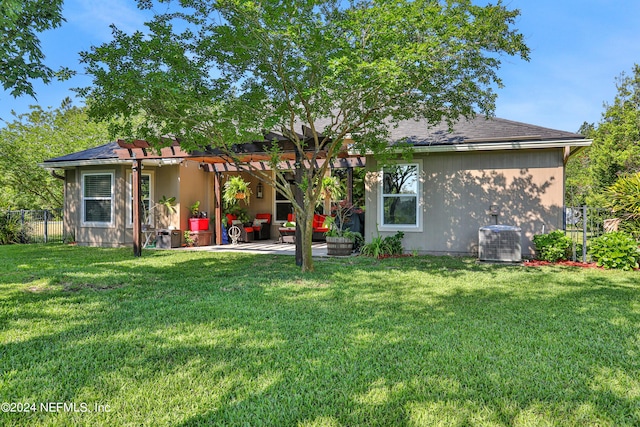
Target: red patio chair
[262,226]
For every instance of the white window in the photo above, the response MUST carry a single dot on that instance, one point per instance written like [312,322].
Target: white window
[146,195]
[399,202]
[97,198]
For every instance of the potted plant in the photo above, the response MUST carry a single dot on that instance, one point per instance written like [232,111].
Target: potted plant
[240,213]
[195,209]
[197,222]
[189,240]
[340,241]
[169,203]
[236,189]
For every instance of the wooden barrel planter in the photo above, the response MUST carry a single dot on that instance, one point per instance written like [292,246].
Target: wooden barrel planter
[339,246]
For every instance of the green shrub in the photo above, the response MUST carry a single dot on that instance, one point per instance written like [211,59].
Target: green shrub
[623,197]
[615,250]
[631,227]
[554,246]
[10,230]
[379,246]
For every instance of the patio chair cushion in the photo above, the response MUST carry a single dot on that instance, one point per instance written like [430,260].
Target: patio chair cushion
[265,217]
[262,226]
[318,224]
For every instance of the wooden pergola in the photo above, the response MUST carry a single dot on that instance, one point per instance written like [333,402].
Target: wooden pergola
[249,156]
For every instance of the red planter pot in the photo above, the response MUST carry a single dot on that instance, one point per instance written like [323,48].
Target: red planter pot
[198,224]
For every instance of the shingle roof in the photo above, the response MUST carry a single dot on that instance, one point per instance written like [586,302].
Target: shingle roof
[478,129]
[102,152]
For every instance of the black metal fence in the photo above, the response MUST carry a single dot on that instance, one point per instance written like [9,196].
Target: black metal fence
[40,226]
[583,223]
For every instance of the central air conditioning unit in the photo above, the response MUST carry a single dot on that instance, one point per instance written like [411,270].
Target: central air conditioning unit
[499,243]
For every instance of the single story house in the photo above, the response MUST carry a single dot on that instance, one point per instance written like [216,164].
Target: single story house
[481,171]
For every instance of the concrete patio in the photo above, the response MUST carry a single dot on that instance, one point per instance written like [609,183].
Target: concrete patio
[319,249]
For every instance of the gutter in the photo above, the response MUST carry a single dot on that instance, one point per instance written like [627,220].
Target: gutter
[76,163]
[494,146]
[523,145]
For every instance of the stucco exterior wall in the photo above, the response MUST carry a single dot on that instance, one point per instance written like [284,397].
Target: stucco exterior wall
[458,189]
[167,182]
[71,211]
[194,185]
[187,184]
[111,235]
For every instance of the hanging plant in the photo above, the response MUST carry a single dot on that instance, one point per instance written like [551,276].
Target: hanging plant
[236,189]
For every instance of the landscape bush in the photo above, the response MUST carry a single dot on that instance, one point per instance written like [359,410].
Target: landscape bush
[11,231]
[554,246]
[623,198]
[615,250]
[384,246]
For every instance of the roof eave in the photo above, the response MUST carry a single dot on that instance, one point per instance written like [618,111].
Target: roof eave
[516,145]
[77,163]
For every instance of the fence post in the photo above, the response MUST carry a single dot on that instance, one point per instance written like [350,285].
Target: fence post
[584,233]
[46,225]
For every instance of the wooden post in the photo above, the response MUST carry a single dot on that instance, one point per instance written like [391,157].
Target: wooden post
[217,214]
[137,221]
[350,185]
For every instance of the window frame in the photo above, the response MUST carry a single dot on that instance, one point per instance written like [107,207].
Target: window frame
[417,226]
[84,199]
[284,201]
[129,199]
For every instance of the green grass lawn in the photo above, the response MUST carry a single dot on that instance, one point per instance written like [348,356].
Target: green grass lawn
[180,338]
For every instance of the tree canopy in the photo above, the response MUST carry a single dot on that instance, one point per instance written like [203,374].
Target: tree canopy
[21,59]
[616,148]
[218,73]
[615,152]
[36,136]
[578,172]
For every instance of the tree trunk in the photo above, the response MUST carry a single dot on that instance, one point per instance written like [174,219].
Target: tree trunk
[299,196]
[305,222]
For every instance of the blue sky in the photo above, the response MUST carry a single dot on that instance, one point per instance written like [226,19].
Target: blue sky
[578,48]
